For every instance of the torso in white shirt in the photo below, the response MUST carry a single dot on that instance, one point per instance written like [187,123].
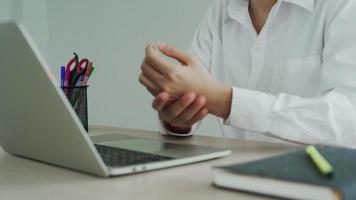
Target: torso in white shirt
[285,57]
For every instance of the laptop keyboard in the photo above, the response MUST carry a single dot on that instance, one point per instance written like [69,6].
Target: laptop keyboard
[117,157]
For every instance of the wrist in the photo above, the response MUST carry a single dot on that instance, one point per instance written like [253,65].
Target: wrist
[219,100]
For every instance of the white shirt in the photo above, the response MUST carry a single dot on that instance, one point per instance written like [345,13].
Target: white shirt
[295,80]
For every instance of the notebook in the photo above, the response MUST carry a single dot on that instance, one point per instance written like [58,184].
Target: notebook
[294,176]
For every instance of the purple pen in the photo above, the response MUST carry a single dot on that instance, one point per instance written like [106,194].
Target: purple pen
[62,76]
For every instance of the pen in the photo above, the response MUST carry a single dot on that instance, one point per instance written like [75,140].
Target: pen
[62,76]
[90,73]
[320,162]
[66,80]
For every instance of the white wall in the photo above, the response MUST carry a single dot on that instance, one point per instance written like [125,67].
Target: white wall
[113,33]
[32,14]
[5,10]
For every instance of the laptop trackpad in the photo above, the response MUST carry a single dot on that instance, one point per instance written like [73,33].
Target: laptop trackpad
[159,148]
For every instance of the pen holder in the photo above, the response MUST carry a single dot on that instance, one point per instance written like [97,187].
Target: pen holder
[77,97]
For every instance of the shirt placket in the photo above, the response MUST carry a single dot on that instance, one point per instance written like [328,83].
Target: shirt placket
[258,50]
[257,60]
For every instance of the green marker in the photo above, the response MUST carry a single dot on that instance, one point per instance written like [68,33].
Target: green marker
[91,71]
[323,165]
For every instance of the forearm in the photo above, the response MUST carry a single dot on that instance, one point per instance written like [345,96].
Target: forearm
[327,119]
[219,100]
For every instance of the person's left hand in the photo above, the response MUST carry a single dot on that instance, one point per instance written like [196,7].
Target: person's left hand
[180,115]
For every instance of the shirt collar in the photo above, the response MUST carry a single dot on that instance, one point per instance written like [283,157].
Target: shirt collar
[307,4]
[237,9]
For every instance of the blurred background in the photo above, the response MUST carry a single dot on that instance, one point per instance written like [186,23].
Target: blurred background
[113,34]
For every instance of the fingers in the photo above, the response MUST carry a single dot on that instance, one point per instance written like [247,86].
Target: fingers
[160,101]
[185,112]
[151,87]
[177,107]
[151,74]
[183,57]
[183,126]
[154,60]
[199,116]
[192,110]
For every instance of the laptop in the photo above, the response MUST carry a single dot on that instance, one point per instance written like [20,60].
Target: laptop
[38,122]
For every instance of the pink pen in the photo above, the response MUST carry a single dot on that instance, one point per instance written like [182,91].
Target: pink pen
[66,80]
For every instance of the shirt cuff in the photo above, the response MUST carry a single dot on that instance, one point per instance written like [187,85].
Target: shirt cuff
[164,131]
[250,110]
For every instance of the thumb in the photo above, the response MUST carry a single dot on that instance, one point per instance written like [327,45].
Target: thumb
[183,57]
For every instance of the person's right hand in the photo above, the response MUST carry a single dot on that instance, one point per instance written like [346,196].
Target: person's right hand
[180,115]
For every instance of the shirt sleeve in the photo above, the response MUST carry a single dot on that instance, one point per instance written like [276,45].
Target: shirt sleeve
[201,45]
[164,131]
[329,118]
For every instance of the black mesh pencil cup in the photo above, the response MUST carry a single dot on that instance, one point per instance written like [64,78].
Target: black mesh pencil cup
[78,98]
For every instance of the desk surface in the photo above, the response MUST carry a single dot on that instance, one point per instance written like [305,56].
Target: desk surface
[24,179]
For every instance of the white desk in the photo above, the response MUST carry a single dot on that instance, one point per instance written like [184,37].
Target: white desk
[24,179]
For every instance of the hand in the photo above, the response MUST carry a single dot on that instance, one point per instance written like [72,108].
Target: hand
[179,116]
[177,79]
[159,75]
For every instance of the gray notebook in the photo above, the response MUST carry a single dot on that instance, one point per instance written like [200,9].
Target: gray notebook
[294,176]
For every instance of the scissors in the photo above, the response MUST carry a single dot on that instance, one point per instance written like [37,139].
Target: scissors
[84,75]
[75,70]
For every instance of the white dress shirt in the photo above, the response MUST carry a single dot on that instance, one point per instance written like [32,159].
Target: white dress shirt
[295,80]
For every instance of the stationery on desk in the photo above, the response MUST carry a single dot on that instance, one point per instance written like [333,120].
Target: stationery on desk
[63,71]
[320,173]
[320,162]
[75,75]
[74,82]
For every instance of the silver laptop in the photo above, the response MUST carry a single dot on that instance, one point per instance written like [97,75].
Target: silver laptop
[37,121]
